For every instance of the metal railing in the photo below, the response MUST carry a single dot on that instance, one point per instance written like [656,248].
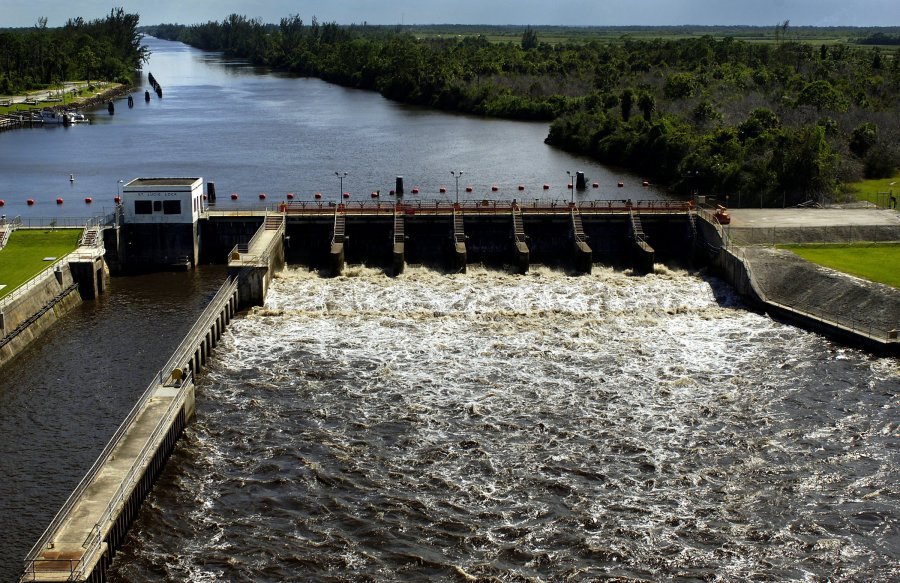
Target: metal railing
[482,206]
[187,347]
[10,226]
[32,283]
[238,253]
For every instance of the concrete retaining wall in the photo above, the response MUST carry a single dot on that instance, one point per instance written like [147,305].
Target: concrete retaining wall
[33,302]
[815,298]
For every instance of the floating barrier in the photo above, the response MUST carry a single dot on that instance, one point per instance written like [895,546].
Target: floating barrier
[234,196]
[88,200]
[262,196]
[596,185]
[30,202]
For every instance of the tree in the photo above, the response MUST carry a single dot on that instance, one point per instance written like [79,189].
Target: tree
[864,136]
[821,95]
[626,102]
[529,39]
[647,105]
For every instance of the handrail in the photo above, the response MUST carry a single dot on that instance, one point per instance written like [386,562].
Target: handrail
[483,206]
[38,279]
[210,312]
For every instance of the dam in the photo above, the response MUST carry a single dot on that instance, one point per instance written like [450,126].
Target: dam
[163,223]
[517,236]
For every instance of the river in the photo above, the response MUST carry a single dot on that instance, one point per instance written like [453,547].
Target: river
[251,131]
[450,427]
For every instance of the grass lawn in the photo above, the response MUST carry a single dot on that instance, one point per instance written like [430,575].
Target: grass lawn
[23,256]
[868,190]
[872,261]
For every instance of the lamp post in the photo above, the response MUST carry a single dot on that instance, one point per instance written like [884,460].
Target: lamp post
[341,176]
[571,185]
[456,174]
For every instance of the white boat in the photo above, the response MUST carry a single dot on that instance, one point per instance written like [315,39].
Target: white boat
[51,116]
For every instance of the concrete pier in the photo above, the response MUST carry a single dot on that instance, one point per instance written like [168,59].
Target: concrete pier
[398,251]
[583,255]
[521,256]
[82,538]
[254,264]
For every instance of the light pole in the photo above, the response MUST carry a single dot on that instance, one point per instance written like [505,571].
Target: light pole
[456,174]
[341,176]
[571,184]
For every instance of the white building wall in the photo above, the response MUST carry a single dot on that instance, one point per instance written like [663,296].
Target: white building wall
[152,201]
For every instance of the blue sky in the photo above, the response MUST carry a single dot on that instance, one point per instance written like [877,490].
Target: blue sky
[558,12]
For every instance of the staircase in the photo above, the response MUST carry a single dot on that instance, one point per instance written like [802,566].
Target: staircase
[273,222]
[578,227]
[518,227]
[339,226]
[91,237]
[399,225]
[637,231]
[459,232]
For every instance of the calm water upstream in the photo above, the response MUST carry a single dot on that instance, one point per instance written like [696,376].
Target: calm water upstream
[480,426]
[251,131]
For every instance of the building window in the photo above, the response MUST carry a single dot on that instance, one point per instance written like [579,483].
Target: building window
[143,207]
[172,207]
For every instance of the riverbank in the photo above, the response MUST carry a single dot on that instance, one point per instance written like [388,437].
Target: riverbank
[17,112]
[814,297]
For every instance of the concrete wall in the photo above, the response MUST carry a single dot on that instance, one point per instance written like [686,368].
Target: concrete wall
[218,237]
[32,303]
[148,246]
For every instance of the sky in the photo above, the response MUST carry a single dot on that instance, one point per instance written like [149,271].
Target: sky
[18,13]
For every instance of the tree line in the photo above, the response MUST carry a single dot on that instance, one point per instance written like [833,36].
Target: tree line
[772,123]
[40,57]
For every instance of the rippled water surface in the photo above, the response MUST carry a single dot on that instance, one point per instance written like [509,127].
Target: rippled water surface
[488,426]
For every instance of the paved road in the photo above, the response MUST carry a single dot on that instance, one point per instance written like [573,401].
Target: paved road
[828,217]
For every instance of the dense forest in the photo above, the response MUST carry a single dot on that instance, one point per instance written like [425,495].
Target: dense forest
[39,57]
[776,122]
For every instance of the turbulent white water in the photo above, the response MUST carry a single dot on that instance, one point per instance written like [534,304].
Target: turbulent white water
[538,427]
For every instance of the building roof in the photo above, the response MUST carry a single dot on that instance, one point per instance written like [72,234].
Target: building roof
[162,182]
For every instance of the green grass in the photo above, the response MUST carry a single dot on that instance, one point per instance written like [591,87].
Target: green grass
[83,94]
[879,262]
[23,256]
[869,190]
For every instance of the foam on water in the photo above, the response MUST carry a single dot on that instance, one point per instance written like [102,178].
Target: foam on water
[538,427]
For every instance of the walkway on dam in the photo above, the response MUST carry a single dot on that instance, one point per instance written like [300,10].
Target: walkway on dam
[77,544]
[812,225]
[256,252]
